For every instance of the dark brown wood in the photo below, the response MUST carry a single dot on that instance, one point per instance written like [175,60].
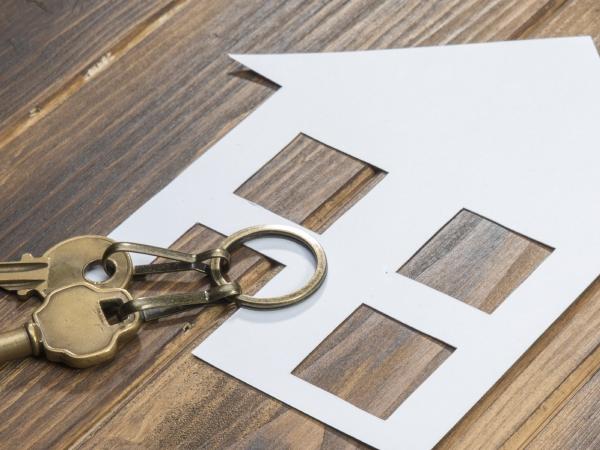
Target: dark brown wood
[169,97]
[193,405]
[304,176]
[533,390]
[370,360]
[104,145]
[46,44]
[48,404]
[451,261]
[373,361]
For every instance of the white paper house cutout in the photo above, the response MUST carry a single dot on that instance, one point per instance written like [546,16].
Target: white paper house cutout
[507,130]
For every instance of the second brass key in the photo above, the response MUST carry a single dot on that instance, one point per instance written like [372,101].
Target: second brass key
[71,327]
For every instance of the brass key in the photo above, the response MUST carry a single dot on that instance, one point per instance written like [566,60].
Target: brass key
[71,327]
[63,265]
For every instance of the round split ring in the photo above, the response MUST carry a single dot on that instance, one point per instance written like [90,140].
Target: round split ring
[237,239]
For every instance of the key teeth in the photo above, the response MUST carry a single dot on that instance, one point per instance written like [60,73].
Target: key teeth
[31,280]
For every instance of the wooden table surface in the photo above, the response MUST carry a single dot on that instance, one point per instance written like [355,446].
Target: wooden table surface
[103,102]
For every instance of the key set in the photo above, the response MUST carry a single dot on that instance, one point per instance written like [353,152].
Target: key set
[72,326]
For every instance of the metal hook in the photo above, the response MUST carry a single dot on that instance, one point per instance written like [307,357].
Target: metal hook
[181,261]
[159,306]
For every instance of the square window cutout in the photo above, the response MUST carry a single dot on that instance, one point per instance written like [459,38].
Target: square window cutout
[476,261]
[373,361]
[310,183]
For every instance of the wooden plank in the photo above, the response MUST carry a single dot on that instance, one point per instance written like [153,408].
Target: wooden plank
[193,405]
[47,405]
[271,428]
[577,421]
[450,262]
[303,177]
[570,18]
[519,403]
[150,113]
[163,103]
[45,45]
[373,361]
[524,403]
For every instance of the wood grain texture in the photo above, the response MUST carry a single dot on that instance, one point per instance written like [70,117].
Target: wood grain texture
[569,18]
[44,44]
[46,404]
[305,176]
[373,361]
[196,406]
[165,101]
[532,390]
[346,364]
[562,380]
[576,422]
[452,261]
[114,141]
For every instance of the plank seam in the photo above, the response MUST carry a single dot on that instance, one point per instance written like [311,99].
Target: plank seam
[543,15]
[135,36]
[573,383]
[182,343]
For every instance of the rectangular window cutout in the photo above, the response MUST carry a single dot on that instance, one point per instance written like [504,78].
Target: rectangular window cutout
[310,183]
[373,361]
[476,261]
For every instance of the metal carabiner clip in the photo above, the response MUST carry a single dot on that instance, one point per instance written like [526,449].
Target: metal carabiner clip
[181,261]
[222,289]
[159,306]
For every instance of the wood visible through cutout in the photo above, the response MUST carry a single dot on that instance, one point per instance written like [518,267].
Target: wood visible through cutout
[303,179]
[476,261]
[174,92]
[190,397]
[373,361]
[190,402]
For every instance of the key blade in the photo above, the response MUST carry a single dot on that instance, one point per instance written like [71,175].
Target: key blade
[29,274]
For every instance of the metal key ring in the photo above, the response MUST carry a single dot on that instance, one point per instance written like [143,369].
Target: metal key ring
[238,238]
